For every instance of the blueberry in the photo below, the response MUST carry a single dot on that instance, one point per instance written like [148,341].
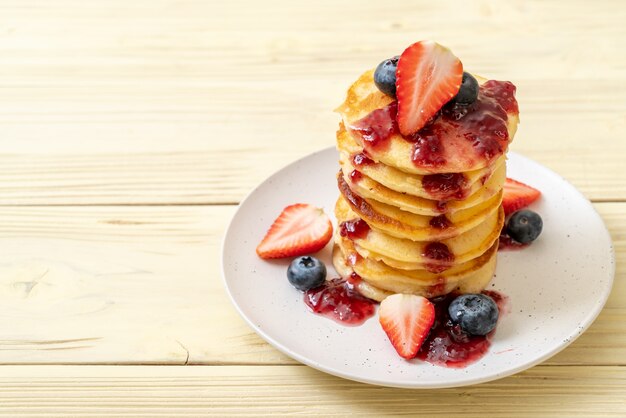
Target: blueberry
[524,226]
[468,93]
[476,314]
[306,272]
[385,76]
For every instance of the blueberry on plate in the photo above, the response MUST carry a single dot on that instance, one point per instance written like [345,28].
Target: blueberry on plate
[385,76]
[306,272]
[468,92]
[477,314]
[524,226]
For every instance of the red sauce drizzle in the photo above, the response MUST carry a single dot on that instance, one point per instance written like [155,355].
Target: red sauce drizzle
[440,253]
[475,131]
[377,128]
[354,229]
[428,150]
[503,92]
[440,222]
[356,176]
[337,299]
[361,159]
[353,258]
[447,345]
[442,205]
[446,186]
[437,289]
[354,279]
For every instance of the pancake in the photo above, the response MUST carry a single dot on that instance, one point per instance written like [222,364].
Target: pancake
[401,224]
[469,277]
[453,143]
[410,255]
[456,186]
[367,188]
[474,284]
[363,287]
[421,213]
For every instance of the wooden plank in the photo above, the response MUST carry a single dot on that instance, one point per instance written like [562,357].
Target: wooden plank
[195,102]
[142,285]
[253,391]
[110,284]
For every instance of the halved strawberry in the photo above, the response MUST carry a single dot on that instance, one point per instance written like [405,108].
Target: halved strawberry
[300,229]
[428,76]
[517,195]
[406,319]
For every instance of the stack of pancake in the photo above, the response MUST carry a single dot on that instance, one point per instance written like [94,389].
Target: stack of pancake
[421,215]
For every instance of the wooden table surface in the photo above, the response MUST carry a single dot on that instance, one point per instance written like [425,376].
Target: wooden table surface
[131,129]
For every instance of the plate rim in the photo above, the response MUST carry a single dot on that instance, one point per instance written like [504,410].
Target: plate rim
[467,381]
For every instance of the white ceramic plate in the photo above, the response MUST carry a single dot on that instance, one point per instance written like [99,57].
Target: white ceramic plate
[556,287]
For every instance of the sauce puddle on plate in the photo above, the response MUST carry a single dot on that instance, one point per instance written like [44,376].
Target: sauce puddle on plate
[337,299]
[446,345]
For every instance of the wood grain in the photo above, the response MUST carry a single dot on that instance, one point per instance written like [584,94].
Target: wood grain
[195,101]
[141,285]
[120,120]
[570,391]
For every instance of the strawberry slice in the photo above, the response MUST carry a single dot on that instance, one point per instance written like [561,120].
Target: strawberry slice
[406,319]
[428,76]
[300,229]
[517,195]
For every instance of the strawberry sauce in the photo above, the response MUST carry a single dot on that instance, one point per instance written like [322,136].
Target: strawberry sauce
[476,132]
[442,205]
[447,345]
[355,176]
[337,299]
[377,128]
[440,254]
[354,229]
[353,259]
[361,159]
[440,222]
[446,186]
